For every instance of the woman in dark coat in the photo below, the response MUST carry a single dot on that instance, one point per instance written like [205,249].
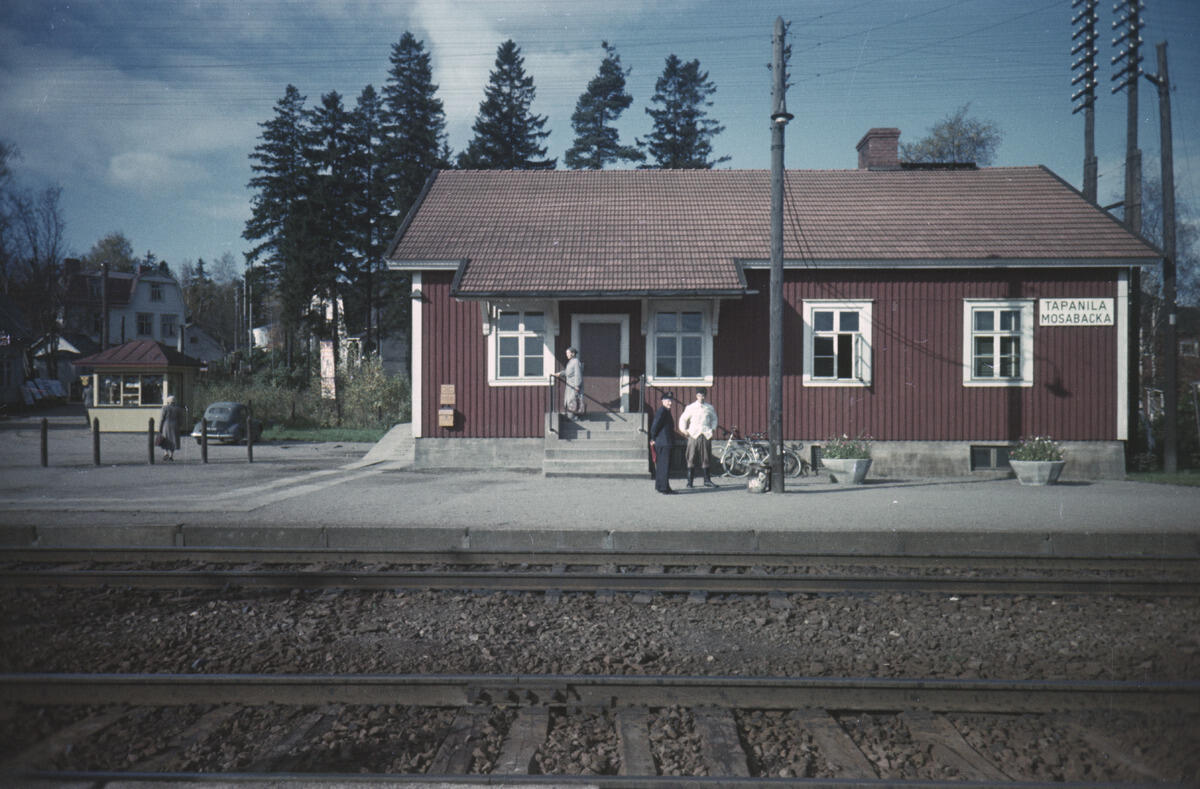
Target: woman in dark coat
[168,430]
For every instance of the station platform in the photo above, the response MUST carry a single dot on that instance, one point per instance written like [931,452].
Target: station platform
[364,496]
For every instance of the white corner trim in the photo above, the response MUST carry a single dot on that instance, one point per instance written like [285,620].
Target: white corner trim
[1122,355]
[418,359]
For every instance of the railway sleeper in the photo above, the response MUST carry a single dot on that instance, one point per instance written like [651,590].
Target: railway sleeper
[714,741]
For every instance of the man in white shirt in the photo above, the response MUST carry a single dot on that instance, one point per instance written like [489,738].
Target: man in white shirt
[698,422]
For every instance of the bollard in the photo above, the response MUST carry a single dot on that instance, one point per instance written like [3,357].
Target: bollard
[96,441]
[249,432]
[45,442]
[150,441]
[203,440]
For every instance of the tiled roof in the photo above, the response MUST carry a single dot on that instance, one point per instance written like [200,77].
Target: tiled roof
[138,354]
[659,231]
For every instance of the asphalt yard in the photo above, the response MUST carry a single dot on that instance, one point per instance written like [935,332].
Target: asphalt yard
[355,495]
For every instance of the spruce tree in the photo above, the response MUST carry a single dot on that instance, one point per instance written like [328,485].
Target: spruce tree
[683,132]
[368,205]
[507,134]
[414,126]
[329,206]
[277,222]
[597,142]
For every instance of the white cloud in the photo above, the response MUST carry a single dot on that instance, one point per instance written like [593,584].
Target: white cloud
[150,171]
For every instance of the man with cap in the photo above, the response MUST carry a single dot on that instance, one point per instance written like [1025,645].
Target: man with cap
[698,423]
[662,436]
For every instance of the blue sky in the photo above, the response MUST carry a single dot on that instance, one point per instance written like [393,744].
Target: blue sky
[145,111]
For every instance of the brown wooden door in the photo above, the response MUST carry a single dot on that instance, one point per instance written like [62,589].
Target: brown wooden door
[600,352]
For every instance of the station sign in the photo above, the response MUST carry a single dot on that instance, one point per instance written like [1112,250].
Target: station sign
[1075,312]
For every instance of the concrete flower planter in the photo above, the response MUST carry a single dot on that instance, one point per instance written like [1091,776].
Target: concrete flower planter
[847,471]
[1037,472]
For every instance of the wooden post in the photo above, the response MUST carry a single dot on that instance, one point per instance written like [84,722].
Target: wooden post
[45,442]
[96,441]
[150,441]
[203,440]
[1170,340]
[249,431]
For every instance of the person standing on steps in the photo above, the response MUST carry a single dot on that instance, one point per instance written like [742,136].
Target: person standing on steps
[698,423]
[572,376]
[662,437]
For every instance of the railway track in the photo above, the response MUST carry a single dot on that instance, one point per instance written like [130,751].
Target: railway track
[499,729]
[176,568]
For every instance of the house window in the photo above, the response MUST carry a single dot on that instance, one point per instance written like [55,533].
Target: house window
[156,291]
[168,324]
[837,343]
[679,345]
[519,347]
[998,342]
[93,287]
[97,323]
[145,324]
[1189,347]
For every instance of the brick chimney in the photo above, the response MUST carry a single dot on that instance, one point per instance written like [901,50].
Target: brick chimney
[879,149]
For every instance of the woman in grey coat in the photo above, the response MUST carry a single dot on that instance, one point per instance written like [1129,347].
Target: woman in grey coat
[168,430]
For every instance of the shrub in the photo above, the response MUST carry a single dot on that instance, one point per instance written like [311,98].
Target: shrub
[1036,448]
[369,397]
[846,447]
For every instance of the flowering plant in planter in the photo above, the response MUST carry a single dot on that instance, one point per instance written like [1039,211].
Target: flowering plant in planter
[846,448]
[1036,448]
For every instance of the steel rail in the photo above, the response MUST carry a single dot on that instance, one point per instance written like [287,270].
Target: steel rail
[763,693]
[75,779]
[533,581]
[232,555]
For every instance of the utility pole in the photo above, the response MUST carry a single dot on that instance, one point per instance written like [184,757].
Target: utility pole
[1170,344]
[1129,23]
[1085,33]
[779,120]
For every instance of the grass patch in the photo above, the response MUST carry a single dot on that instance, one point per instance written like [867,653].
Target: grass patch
[1190,477]
[323,434]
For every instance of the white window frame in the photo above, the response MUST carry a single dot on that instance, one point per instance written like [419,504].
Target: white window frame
[863,344]
[492,328]
[168,324]
[1026,308]
[653,308]
[144,320]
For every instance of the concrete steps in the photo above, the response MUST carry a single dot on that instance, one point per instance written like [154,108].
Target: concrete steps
[595,445]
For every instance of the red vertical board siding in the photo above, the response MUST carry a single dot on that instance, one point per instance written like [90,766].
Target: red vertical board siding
[455,352]
[917,391]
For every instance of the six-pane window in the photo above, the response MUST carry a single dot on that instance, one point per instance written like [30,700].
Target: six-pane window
[998,342]
[837,343]
[168,324]
[521,342]
[145,324]
[679,344]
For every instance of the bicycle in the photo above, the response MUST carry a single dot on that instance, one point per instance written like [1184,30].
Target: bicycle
[739,456]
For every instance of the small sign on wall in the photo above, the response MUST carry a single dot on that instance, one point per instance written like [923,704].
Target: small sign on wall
[1075,312]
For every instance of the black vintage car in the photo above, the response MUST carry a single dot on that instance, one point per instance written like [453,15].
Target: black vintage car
[227,422]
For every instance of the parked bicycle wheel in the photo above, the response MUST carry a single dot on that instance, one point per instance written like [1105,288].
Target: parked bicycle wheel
[736,462]
[792,466]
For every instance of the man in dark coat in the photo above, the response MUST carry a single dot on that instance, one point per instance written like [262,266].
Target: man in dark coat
[662,436]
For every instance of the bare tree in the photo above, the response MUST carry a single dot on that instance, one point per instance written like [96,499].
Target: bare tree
[956,138]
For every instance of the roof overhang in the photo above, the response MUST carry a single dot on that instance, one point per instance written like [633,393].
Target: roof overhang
[424,265]
[956,263]
[568,295]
